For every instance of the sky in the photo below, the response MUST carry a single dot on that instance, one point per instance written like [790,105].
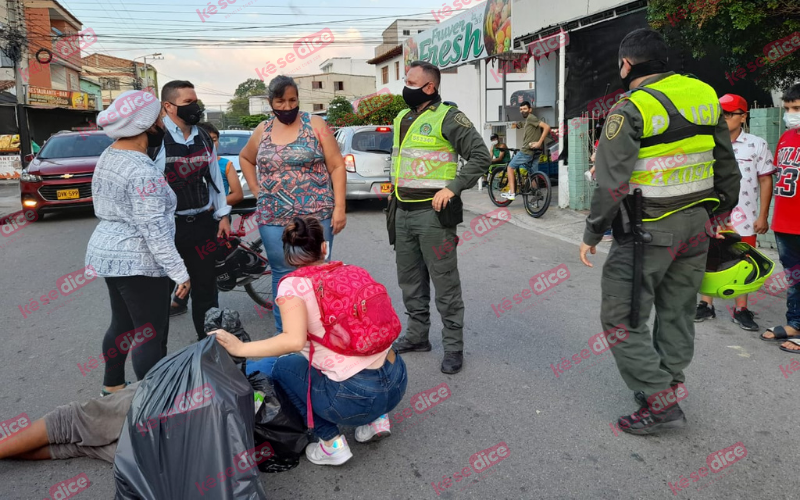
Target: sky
[217,51]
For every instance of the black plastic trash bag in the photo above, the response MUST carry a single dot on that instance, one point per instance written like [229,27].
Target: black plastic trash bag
[278,423]
[189,431]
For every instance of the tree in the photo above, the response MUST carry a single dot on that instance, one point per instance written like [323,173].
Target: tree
[339,111]
[745,31]
[251,86]
[252,121]
[201,104]
[380,109]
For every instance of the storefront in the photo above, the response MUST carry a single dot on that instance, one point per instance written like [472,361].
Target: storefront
[51,111]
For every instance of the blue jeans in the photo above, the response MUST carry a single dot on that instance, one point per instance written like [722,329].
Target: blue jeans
[271,236]
[531,162]
[356,401]
[789,251]
[262,365]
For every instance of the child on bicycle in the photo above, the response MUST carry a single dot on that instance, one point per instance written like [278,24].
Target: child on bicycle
[534,135]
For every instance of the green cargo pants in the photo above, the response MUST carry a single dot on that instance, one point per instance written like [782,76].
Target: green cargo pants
[674,265]
[426,252]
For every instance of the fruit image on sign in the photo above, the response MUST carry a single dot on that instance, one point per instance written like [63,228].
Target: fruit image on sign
[411,53]
[497,27]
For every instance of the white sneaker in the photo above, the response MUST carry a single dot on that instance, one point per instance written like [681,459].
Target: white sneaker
[509,196]
[379,428]
[336,454]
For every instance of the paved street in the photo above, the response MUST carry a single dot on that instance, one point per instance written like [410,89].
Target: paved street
[554,421]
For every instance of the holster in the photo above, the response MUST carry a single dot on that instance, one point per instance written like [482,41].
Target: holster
[391,215]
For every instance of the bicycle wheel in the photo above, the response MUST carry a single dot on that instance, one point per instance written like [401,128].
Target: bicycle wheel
[260,290]
[537,194]
[497,184]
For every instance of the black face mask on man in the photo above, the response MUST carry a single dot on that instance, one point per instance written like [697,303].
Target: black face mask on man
[415,96]
[642,69]
[190,113]
[286,116]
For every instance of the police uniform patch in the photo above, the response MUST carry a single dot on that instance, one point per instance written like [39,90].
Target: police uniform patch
[462,120]
[425,129]
[613,126]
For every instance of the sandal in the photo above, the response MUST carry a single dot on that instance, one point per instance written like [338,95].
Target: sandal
[778,331]
[793,341]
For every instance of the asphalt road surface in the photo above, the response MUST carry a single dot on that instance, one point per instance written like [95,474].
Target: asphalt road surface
[553,422]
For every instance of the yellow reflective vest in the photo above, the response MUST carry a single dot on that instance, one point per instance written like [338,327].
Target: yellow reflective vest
[425,159]
[675,167]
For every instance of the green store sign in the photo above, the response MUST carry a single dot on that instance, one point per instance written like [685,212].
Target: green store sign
[481,32]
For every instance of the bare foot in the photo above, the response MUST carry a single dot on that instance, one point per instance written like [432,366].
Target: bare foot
[790,332]
[790,346]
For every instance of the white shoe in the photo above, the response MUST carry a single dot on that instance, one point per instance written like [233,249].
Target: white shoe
[336,454]
[509,196]
[379,428]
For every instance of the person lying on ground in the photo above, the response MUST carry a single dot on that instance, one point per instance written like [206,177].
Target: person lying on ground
[75,430]
[345,390]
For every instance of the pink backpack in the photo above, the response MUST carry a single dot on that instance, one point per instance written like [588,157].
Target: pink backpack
[356,312]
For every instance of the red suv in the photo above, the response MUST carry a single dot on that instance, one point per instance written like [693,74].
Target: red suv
[60,176]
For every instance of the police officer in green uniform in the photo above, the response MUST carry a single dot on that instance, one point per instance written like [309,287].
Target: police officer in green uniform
[428,138]
[666,138]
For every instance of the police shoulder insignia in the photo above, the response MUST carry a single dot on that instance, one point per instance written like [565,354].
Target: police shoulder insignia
[613,126]
[425,129]
[462,120]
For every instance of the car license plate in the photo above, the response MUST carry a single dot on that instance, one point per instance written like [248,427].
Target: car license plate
[386,187]
[67,194]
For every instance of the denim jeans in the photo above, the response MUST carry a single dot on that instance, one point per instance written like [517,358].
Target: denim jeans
[356,401]
[271,236]
[789,251]
[531,162]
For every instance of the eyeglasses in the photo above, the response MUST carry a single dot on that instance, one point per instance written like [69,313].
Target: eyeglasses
[730,114]
[421,86]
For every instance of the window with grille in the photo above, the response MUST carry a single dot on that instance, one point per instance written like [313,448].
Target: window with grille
[318,107]
[316,85]
[385,75]
[397,70]
[406,32]
[109,83]
[338,85]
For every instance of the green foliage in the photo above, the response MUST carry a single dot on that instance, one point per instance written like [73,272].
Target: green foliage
[252,121]
[381,109]
[373,110]
[743,30]
[338,109]
[251,86]
[238,107]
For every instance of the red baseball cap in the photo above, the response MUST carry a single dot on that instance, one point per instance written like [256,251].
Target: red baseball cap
[733,102]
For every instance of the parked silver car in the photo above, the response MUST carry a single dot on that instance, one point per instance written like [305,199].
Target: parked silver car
[367,152]
[231,143]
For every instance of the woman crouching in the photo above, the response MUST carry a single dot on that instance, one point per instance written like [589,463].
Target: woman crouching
[345,390]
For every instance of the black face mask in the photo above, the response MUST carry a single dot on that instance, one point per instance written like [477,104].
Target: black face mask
[190,113]
[156,139]
[643,69]
[415,97]
[286,116]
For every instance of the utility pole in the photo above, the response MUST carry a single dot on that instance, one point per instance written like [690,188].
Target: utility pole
[16,22]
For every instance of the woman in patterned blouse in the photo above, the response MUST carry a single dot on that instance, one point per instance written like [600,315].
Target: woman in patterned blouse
[300,172]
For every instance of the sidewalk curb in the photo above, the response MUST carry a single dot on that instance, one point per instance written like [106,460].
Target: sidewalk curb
[525,221]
